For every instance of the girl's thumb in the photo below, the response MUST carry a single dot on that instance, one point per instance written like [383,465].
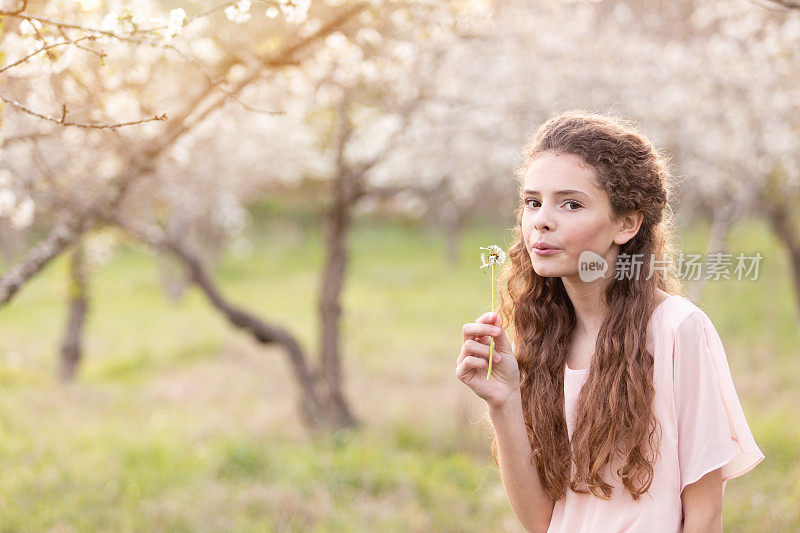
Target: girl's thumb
[501,341]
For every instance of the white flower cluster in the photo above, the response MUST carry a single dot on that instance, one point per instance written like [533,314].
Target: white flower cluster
[99,246]
[239,12]
[26,41]
[496,256]
[295,11]
[175,24]
[19,211]
[230,214]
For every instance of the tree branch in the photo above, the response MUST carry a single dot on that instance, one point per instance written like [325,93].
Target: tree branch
[25,137]
[62,121]
[263,332]
[789,4]
[64,234]
[45,47]
[287,56]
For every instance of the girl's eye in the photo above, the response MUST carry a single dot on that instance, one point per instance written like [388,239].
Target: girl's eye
[569,202]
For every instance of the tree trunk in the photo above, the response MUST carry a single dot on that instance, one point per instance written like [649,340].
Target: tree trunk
[311,408]
[721,223]
[72,345]
[311,403]
[337,223]
[12,242]
[173,274]
[780,201]
[452,229]
[786,229]
[60,237]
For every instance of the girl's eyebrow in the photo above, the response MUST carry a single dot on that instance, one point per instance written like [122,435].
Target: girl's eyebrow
[559,193]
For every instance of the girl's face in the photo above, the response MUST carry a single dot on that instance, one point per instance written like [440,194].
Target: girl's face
[566,209]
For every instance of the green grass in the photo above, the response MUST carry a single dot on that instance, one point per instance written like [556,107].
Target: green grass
[177,422]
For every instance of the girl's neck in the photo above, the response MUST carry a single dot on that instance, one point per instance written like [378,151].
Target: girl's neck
[588,300]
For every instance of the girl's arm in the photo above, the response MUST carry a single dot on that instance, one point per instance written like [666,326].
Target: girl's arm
[532,505]
[702,504]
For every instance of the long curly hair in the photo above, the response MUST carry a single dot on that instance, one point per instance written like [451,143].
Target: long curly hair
[615,413]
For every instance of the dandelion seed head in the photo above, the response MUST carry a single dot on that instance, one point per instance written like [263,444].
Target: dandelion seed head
[496,256]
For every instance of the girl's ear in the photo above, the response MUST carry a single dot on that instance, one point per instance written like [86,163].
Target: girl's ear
[628,227]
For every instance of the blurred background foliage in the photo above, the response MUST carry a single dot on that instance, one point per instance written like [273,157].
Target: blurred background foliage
[238,242]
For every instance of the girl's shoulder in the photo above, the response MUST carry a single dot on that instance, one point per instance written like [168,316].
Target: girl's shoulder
[675,310]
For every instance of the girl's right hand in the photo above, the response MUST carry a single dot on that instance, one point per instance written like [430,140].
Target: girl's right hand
[473,361]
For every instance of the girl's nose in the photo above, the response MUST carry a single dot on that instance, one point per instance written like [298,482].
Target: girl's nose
[542,220]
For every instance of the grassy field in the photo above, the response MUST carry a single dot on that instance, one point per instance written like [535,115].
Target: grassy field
[179,423]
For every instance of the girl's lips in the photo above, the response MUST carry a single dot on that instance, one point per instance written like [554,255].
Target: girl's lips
[546,251]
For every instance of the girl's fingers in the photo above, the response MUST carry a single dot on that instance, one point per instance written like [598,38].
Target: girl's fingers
[500,339]
[471,347]
[474,330]
[488,318]
[483,339]
[477,348]
[467,367]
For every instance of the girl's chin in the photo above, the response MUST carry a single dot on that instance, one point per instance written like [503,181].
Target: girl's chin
[549,266]
[547,271]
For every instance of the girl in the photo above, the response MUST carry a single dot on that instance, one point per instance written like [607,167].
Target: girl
[616,411]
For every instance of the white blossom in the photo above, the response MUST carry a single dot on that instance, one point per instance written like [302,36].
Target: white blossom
[7,202]
[175,25]
[295,11]
[23,214]
[99,247]
[90,5]
[111,22]
[239,12]
[29,27]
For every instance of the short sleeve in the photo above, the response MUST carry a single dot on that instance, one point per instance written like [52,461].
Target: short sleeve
[712,429]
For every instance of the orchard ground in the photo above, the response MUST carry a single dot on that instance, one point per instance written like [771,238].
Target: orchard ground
[177,422]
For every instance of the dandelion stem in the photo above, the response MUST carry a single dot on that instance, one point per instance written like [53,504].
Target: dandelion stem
[491,339]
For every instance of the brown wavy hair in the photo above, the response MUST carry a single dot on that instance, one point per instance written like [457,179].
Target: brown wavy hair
[615,412]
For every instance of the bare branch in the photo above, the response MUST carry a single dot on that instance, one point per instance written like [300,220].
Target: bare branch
[780,6]
[48,47]
[25,137]
[191,19]
[99,53]
[406,112]
[154,31]
[288,56]
[264,332]
[61,121]
[22,8]
[67,25]
[64,234]
[789,4]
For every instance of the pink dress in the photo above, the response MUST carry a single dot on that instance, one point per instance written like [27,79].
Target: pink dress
[702,422]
